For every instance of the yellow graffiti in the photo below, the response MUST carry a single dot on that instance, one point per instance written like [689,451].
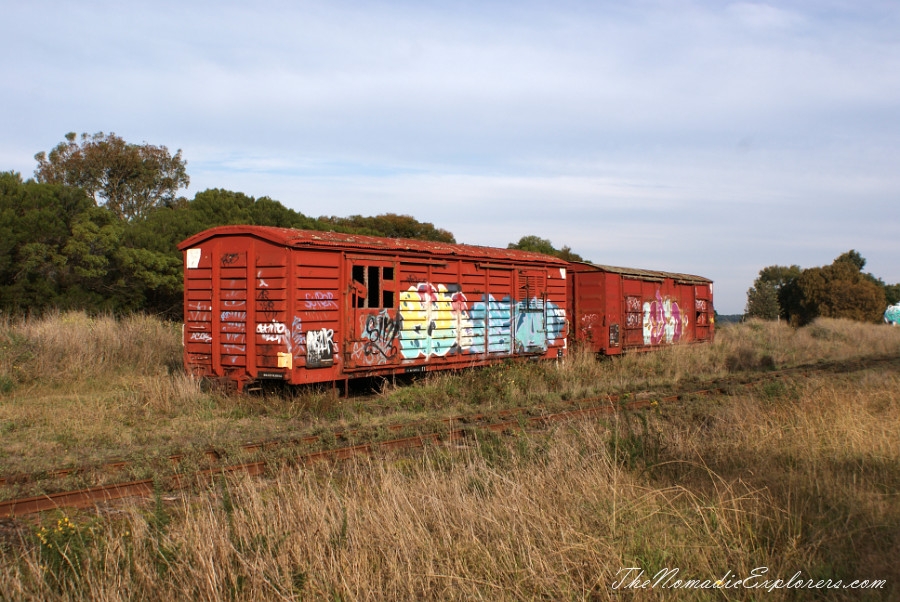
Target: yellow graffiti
[433,321]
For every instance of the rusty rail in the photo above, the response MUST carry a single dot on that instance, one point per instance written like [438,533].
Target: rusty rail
[603,405]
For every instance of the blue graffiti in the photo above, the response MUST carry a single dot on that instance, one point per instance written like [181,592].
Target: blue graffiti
[537,325]
[892,315]
[491,318]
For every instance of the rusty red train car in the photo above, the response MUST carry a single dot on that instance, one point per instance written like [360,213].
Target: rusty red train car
[615,309]
[310,307]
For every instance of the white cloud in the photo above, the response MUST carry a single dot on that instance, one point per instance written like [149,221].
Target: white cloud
[670,135]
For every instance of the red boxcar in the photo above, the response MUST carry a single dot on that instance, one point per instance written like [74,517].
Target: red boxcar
[616,309]
[309,307]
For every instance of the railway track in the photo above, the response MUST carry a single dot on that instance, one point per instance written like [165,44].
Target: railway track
[449,433]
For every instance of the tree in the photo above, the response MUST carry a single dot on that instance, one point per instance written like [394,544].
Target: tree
[783,280]
[853,258]
[840,290]
[390,225]
[129,179]
[892,294]
[536,244]
[35,225]
[762,301]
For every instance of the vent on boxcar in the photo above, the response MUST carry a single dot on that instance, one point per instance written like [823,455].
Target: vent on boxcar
[532,285]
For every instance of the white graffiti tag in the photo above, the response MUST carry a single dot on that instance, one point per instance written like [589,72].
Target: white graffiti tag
[271,331]
[320,341]
[320,348]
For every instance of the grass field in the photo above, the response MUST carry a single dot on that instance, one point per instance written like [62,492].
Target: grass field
[799,474]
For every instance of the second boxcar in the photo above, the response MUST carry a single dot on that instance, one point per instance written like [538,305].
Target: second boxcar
[307,306]
[614,309]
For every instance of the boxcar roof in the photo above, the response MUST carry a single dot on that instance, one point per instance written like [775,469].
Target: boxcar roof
[646,274]
[313,238]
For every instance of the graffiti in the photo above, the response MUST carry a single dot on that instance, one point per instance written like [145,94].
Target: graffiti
[199,316]
[233,316]
[633,304]
[530,333]
[229,258]
[892,315]
[537,324]
[319,347]
[633,320]
[266,306]
[262,283]
[234,343]
[320,301]
[663,321]
[491,320]
[381,330]
[271,331]
[438,320]
[203,337]
[465,329]
[297,338]
[586,328]
[556,322]
[359,356]
[426,314]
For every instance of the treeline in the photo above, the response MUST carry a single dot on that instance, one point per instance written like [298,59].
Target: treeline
[98,227]
[839,290]
[60,249]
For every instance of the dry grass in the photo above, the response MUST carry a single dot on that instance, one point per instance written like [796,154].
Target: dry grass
[794,476]
[77,390]
[800,474]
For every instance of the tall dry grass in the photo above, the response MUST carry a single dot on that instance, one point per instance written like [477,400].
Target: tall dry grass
[77,390]
[72,347]
[796,476]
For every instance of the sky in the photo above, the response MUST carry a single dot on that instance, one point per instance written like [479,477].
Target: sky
[709,137]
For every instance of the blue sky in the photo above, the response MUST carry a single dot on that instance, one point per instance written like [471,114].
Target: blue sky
[714,138]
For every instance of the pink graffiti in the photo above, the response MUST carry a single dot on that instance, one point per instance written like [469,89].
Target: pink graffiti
[663,321]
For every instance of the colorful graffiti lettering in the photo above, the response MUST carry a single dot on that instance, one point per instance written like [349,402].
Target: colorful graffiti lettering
[536,324]
[892,315]
[203,337]
[663,321]
[436,321]
[491,320]
[465,329]
[427,321]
